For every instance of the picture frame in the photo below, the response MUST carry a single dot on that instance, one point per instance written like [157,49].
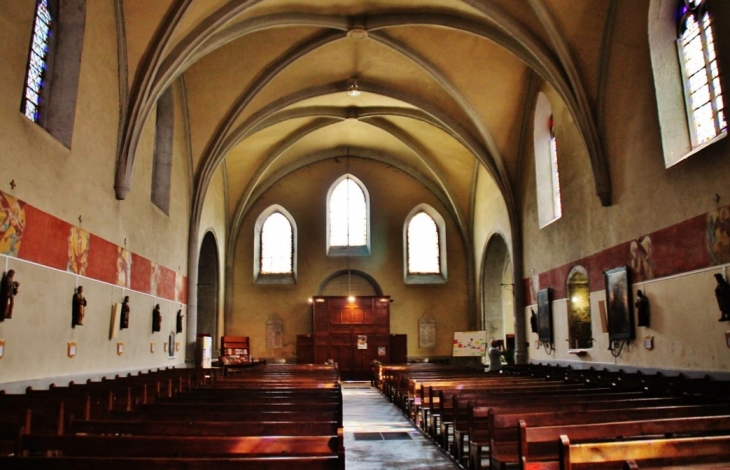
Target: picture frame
[545,315]
[649,342]
[619,307]
[120,349]
[72,349]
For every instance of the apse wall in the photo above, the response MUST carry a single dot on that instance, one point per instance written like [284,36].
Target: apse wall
[393,194]
[62,226]
[667,225]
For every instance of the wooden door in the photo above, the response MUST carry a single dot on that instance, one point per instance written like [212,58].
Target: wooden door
[351,333]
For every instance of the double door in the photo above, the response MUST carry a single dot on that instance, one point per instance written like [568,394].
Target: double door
[353,334]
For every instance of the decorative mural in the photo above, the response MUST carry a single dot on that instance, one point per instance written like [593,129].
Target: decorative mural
[12,224]
[78,250]
[717,235]
[51,242]
[696,243]
[124,267]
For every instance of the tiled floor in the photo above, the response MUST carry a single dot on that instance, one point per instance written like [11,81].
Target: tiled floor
[378,436]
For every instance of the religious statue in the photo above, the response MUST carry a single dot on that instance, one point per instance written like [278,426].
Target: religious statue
[642,308]
[156,319]
[78,306]
[533,321]
[179,322]
[722,292]
[124,318]
[8,291]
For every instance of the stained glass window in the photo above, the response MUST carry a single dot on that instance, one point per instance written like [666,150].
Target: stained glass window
[348,215]
[37,62]
[703,93]
[557,202]
[276,245]
[423,245]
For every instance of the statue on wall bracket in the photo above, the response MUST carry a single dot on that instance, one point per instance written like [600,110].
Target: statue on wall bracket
[8,291]
[78,307]
[179,321]
[156,319]
[722,292]
[124,317]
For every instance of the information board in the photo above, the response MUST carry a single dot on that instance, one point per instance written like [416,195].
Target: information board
[470,343]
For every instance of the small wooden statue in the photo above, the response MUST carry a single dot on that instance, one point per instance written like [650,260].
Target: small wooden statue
[124,318]
[156,319]
[78,307]
[8,291]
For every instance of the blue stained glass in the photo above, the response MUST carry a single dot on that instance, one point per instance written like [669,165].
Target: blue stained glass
[37,60]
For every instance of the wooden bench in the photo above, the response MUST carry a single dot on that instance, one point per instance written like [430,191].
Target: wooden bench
[197,463]
[502,435]
[653,453]
[539,448]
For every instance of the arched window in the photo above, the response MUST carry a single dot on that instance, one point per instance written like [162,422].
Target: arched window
[549,201]
[424,236]
[162,157]
[686,77]
[703,93]
[36,72]
[580,324]
[348,218]
[54,62]
[275,246]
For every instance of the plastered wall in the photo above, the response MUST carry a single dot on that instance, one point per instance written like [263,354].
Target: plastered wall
[672,207]
[392,196]
[75,186]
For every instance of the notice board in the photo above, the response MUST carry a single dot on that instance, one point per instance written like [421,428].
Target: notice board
[470,343]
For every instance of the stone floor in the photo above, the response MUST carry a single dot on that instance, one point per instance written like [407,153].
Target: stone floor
[378,436]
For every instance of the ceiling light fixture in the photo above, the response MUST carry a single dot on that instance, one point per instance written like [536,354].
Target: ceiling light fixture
[352,88]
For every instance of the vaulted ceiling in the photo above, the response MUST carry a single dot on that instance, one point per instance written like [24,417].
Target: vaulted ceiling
[444,84]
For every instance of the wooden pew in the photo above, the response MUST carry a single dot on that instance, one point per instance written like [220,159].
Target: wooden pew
[196,463]
[653,453]
[539,449]
[204,428]
[502,436]
[181,446]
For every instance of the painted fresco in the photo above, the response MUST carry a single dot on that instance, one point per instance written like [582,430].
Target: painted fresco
[52,242]
[693,244]
[124,267]
[12,224]
[717,235]
[78,250]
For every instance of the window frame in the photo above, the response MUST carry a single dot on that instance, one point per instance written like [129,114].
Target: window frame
[698,13]
[274,278]
[674,126]
[549,206]
[423,278]
[357,250]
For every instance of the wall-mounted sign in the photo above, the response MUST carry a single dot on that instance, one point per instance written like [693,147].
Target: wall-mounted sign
[120,349]
[72,348]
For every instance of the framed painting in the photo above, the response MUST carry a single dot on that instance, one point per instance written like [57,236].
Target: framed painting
[545,315]
[618,301]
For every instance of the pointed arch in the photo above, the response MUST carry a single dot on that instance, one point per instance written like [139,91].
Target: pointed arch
[275,247]
[424,246]
[348,217]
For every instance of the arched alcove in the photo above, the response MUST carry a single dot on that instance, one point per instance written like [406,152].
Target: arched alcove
[580,333]
[352,282]
[497,289]
[208,287]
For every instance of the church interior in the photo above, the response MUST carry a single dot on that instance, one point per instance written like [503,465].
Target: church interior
[359,182]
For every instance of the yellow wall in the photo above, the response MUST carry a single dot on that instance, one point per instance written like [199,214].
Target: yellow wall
[78,182]
[392,196]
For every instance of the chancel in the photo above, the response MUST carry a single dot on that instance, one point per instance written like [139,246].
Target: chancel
[342,188]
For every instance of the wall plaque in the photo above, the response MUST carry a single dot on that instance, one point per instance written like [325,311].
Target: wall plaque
[426,332]
[274,332]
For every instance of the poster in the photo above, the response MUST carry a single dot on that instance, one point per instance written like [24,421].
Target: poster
[362,342]
[470,343]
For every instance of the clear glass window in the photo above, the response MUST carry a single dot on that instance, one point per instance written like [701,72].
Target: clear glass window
[348,215]
[276,245]
[423,245]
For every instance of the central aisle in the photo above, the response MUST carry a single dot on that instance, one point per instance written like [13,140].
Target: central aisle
[378,436]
